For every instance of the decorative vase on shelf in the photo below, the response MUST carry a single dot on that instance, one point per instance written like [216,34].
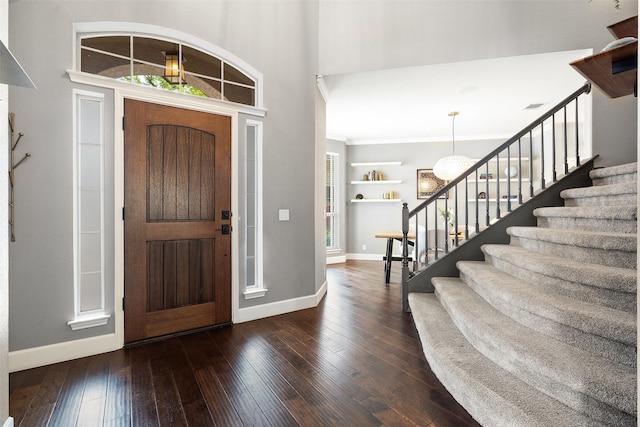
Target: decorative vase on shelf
[511,171]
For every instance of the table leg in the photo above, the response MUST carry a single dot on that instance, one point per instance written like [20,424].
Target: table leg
[388,259]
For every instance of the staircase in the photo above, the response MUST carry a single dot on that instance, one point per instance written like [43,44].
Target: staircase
[543,332]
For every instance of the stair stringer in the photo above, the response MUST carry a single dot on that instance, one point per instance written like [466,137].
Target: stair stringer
[470,250]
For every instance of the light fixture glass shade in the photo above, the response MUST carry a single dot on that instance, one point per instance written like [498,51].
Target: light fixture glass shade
[451,167]
[173,72]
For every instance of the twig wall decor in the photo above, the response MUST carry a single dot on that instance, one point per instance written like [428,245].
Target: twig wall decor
[12,167]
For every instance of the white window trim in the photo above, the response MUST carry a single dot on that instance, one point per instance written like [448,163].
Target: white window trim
[97,317]
[258,290]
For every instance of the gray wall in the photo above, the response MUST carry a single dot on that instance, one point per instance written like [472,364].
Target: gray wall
[373,35]
[277,38]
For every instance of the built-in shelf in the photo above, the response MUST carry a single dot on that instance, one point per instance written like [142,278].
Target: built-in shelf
[376,164]
[625,28]
[375,200]
[382,181]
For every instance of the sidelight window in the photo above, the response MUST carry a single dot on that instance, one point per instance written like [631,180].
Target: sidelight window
[252,257]
[88,218]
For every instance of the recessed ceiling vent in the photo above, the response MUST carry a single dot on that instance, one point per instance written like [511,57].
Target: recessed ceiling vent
[533,106]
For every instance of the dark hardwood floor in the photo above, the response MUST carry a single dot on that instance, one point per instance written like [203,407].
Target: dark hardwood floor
[355,360]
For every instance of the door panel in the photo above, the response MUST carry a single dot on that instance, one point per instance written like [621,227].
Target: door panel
[181,273]
[177,183]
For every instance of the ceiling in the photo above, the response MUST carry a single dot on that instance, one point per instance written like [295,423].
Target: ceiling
[413,104]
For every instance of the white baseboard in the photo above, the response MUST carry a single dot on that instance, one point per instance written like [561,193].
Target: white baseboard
[46,355]
[281,307]
[365,257]
[8,422]
[339,259]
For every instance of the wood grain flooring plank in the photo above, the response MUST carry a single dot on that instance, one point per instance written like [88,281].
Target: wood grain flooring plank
[168,404]
[51,385]
[26,378]
[307,386]
[263,395]
[295,366]
[91,412]
[118,401]
[20,401]
[143,409]
[70,397]
[220,407]
[143,399]
[118,422]
[320,365]
[96,385]
[301,410]
[38,416]
[43,403]
[280,417]
[389,416]
[248,410]
[193,404]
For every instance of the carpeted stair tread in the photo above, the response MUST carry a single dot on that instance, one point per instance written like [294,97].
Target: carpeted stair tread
[620,173]
[612,249]
[490,394]
[620,219]
[604,212]
[604,331]
[587,239]
[584,273]
[573,376]
[600,190]
[622,193]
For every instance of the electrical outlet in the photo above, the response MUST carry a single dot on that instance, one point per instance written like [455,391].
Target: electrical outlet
[364,247]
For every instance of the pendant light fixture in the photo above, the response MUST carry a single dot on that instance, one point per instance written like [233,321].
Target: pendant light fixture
[174,68]
[452,166]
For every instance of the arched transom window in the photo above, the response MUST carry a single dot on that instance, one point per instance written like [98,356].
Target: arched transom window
[165,64]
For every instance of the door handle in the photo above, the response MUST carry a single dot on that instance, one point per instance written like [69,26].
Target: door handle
[225,229]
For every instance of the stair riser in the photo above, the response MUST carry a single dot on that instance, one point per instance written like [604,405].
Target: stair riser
[616,179]
[613,258]
[611,200]
[528,371]
[589,224]
[623,301]
[613,350]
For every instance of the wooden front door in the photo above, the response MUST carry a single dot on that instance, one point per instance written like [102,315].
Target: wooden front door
[177,185]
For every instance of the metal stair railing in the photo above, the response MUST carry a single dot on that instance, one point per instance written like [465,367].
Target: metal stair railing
[475,200]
